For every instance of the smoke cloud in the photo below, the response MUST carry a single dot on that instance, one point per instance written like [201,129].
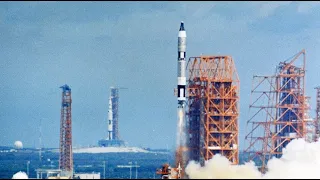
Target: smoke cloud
[20,175]
[300,160]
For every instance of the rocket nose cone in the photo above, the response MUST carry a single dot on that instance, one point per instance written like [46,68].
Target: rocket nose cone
[181,26]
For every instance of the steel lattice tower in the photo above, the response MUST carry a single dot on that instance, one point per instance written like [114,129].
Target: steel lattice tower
[115,112]
[213,108]
[279,108]
[113,139]
[317,119]
[66,157]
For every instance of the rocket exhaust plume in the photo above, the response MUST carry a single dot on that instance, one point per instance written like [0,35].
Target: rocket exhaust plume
[300,160]
[181,130]
[181,151]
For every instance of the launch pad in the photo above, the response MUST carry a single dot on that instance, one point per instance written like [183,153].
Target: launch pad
[111,143]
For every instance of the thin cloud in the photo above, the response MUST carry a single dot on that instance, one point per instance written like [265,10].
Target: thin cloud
[307,7]
[267,9]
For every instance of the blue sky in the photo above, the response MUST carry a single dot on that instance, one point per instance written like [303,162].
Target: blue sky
[94,45]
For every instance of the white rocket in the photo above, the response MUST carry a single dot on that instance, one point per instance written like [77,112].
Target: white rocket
[182,36]
[182,138]
[110,119]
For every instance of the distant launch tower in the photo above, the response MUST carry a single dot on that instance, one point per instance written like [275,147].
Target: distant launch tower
[113,137]
[317,119]
[114,99]
[66,157]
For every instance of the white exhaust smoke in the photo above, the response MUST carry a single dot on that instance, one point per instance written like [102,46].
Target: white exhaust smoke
[300,160]
[181,129]
[20,175]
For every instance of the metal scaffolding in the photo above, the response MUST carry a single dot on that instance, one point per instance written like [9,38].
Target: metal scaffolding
[115,108]
[213,108]
[279,108]
[66,157]
[317,119]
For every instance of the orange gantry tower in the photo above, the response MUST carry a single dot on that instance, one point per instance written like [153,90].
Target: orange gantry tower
[279,110]
[213,108]
[66,156]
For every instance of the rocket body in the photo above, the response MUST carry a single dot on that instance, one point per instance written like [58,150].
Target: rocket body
[182,136]
[110,120]
[182,36]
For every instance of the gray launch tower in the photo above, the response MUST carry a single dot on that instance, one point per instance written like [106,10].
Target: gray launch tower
[113,137]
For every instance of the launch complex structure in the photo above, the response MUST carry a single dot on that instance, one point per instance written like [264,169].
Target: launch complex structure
[65,151]
[213,103]
[113,136]
[66,155]
[208,111]
[279,111]
[66,170]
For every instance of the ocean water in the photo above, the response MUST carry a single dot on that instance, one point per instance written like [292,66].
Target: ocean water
[12,162]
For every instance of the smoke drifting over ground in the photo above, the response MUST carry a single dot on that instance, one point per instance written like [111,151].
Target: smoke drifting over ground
[20,175]
[300,160]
